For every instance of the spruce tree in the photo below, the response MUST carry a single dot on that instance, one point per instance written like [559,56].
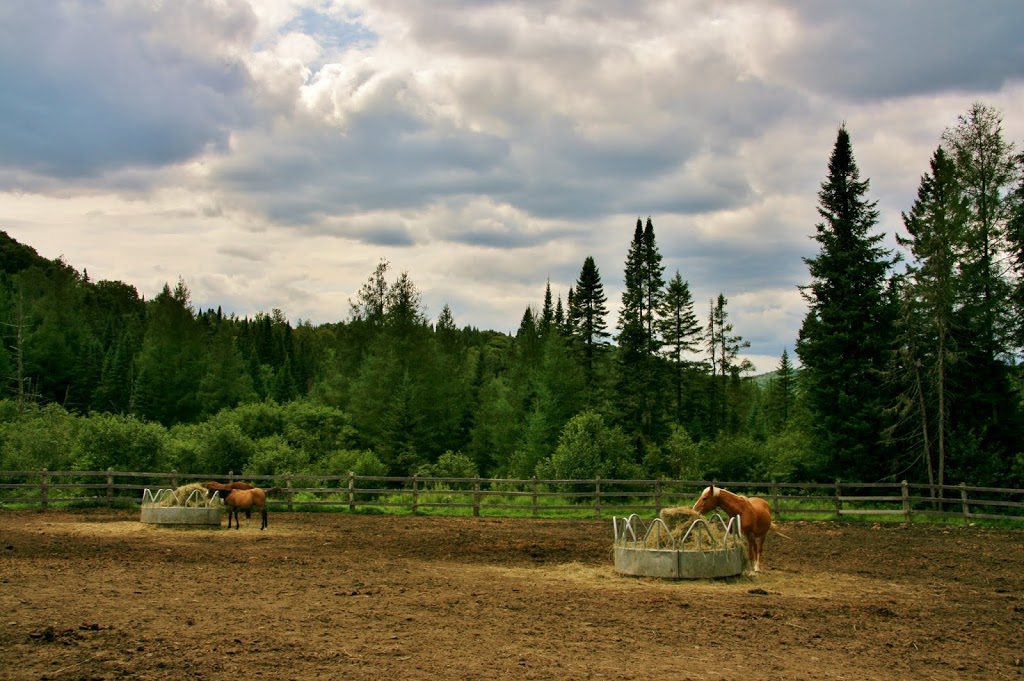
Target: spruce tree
[681,332]
[588,308]
[652,284]
[781,395]
[642,375]
[723,353]
[846,335]
[931,295]
[987,420]
[547,315]
[986,170]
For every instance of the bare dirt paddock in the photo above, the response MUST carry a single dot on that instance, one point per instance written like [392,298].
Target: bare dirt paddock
[98,595]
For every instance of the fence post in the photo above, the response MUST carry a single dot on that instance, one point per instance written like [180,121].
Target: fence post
[231,477]
[415,494]
[839,501]
[289,492]
[351,492]
[657,497]
[533,487]
[110,486]
[476,498]
[963,502]
[906,501]
[775,501]
[597,500]
[174,479]
[43,494]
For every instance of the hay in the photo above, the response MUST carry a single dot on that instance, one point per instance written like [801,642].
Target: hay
[181,497]
[678,520]
[677,514]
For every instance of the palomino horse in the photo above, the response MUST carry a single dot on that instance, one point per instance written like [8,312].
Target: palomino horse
[754,513]
[240,500]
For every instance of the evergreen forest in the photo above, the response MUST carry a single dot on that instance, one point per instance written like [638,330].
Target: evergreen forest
[908,361]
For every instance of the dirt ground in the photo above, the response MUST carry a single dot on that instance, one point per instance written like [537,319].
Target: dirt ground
[96,594]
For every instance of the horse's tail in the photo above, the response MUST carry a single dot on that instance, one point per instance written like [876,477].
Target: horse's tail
[775,528]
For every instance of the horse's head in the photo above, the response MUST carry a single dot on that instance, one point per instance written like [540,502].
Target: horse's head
[708,500]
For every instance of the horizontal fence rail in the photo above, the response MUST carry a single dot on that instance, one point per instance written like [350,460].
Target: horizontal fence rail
[900,501]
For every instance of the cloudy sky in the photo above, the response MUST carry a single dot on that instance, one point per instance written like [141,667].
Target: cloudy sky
[272,152]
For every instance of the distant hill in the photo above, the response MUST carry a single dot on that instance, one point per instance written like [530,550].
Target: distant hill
[762,380]
[15,256]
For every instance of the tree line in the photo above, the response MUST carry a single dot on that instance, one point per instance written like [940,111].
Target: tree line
[908,365]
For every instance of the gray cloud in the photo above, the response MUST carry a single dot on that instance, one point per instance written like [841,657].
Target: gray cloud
[879,48]
[88,88]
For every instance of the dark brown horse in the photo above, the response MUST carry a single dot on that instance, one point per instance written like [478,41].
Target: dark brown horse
[754,513]
[237,498]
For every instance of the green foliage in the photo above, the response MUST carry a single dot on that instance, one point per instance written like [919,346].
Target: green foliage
[316,429]
[123,443]
[257,420]
[215,447]
[589,448]
[1017,472]
[345,461]
[39,437]
[733,457]
[790,456]
[274,455]
[678,458]
[450,465]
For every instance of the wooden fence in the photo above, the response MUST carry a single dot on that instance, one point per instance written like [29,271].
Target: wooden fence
[901,501]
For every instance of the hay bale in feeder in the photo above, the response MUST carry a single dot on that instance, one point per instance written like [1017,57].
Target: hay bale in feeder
[673,533]
[192,495]
[676,514]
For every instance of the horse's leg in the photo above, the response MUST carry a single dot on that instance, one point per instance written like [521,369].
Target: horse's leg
[760,546]
[264,515]
[752,551]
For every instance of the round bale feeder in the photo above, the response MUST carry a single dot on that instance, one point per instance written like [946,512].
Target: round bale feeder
[186,505]
[698,549]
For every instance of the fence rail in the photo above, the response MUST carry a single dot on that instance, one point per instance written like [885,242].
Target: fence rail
[901,501]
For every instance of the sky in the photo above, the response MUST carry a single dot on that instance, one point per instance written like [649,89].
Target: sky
[271,153]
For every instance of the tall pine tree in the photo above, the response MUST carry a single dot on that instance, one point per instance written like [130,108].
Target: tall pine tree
[845,338]
[987,428]
[587,311]
[640,377]
[926,344]
[681,334]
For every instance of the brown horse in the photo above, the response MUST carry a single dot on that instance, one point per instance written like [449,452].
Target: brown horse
[754,513]
[237,498]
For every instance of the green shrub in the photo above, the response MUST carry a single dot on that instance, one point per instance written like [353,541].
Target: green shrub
[41,437]
[274,455]
[123,443]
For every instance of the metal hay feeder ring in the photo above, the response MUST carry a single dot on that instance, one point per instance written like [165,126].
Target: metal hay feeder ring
[698,554]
